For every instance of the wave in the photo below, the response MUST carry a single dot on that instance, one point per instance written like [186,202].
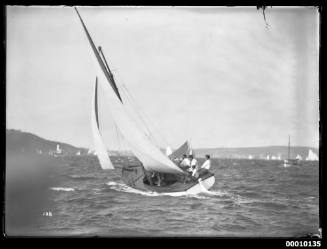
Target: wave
[62,189]
[81,177]
[271,205]
[288,166]
[206,194]
[234,198]
[219,193]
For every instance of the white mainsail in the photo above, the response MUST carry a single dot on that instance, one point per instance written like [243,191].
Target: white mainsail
[99,147]
[151,156]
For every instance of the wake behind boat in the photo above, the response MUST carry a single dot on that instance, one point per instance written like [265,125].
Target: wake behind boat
[171,178]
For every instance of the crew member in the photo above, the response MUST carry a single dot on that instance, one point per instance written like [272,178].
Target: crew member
[185,162]
[205,166]
[193,162]
[207,163]
[193,166]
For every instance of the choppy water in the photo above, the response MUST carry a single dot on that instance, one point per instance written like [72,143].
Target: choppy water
[249,198]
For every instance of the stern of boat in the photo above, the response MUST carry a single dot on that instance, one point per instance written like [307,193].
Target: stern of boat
[203,184]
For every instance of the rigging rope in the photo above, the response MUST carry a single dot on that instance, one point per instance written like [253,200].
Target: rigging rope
[147,132]
[117,137]
[143,117]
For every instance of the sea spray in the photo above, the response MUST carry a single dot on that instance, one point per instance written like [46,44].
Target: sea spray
[62,189]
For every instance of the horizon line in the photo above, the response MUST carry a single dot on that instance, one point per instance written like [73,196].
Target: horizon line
[196,148]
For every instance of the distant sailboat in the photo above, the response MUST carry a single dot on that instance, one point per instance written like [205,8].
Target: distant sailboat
[289,161]
[58,152]
[312,156]
[152,159]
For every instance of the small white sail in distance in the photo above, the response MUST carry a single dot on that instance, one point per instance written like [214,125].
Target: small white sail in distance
[312,156]
[99,146]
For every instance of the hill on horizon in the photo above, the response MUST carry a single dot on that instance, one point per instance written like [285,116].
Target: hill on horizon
[19,141]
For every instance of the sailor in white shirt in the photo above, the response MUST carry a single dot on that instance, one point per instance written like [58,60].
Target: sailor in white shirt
[207,163]
[186,165]
[185,162]
[193,161]
[193,166]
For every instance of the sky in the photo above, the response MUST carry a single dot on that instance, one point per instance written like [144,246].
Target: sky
[218,76]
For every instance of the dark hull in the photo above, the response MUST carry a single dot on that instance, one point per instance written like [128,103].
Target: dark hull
[135,177]
[291,162]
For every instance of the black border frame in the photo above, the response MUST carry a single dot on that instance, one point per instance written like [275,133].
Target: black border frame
[230,241]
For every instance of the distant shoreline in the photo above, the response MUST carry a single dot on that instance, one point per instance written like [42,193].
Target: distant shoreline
[20,141]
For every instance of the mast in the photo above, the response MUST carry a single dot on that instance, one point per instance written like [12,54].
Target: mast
[111,76]
[103,65]
[289,147]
